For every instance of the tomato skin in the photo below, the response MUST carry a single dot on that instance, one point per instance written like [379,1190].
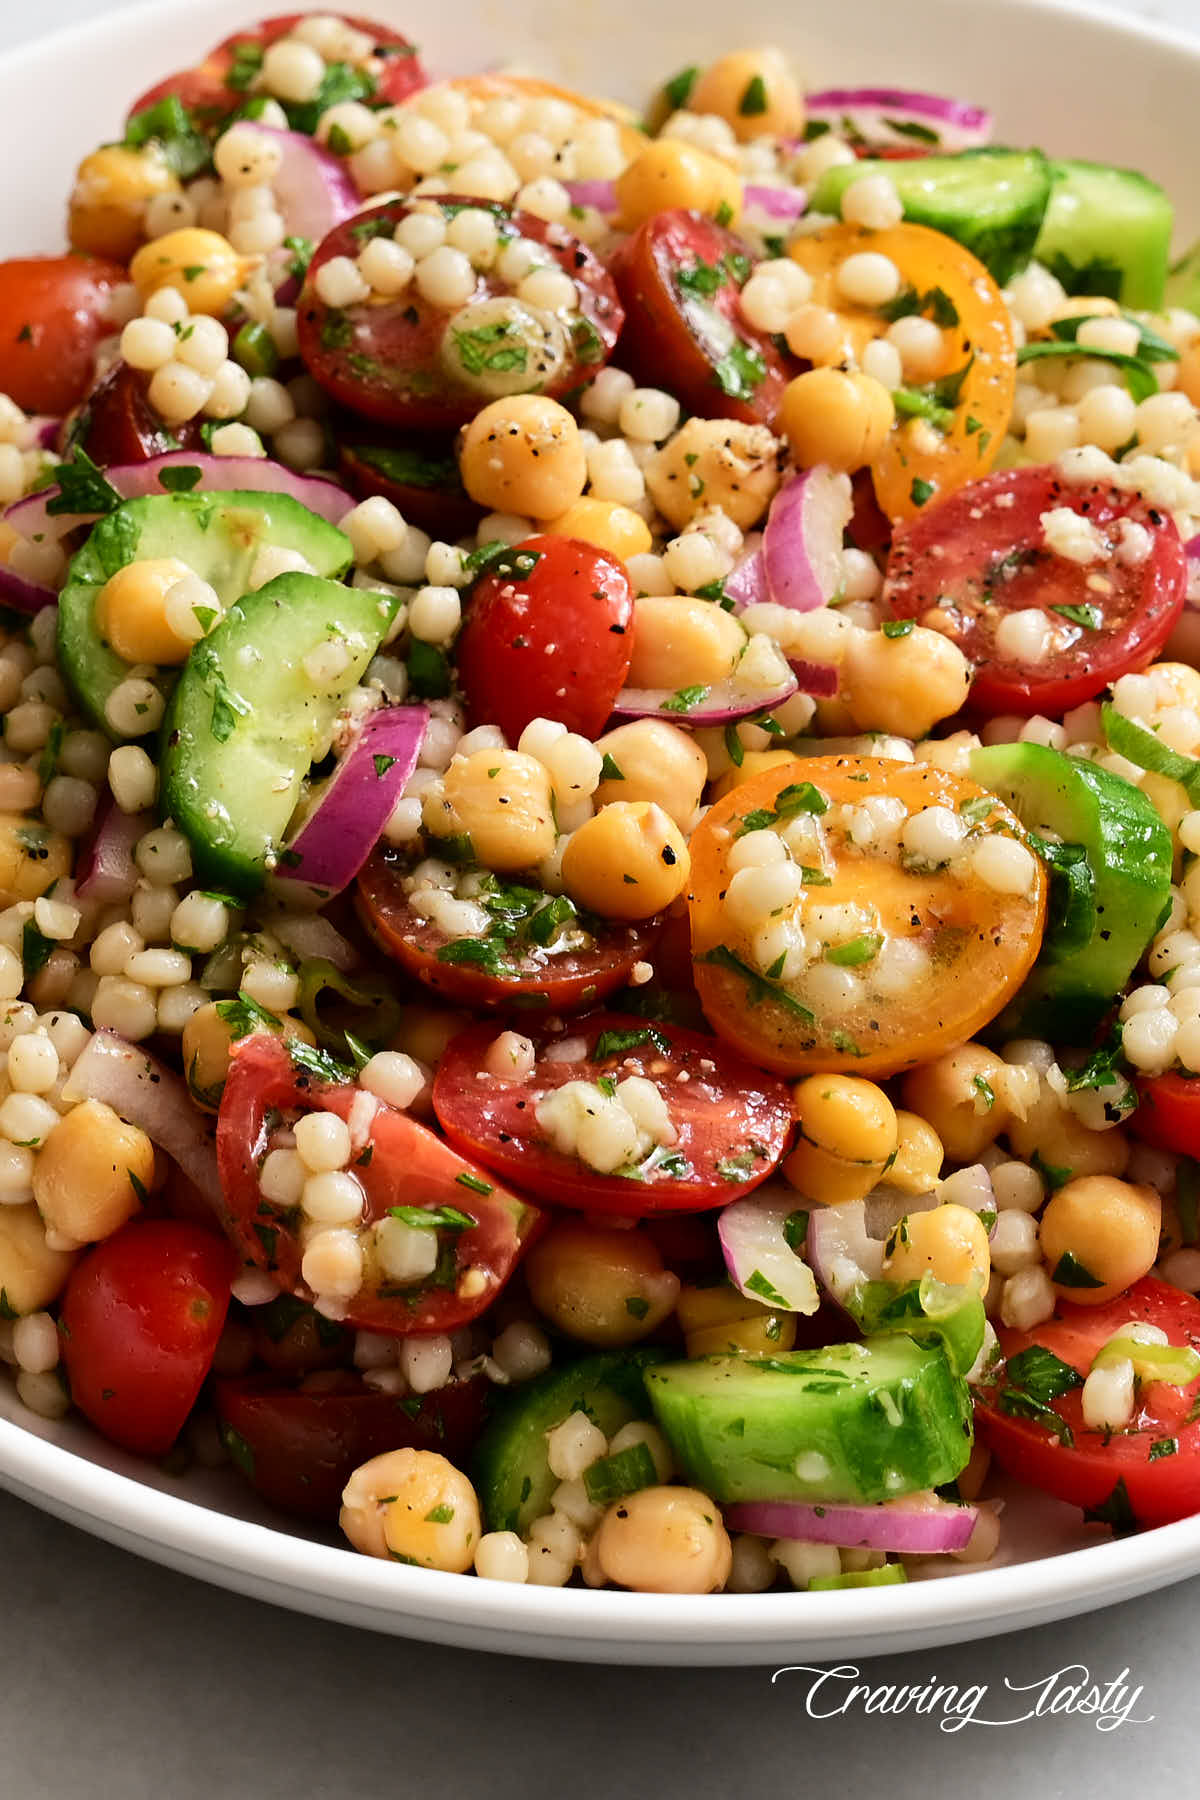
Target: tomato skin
[305,1442]
[1159,1491]
[139,1325]
[1169,1113]
[51,319]
[567,982]
[724,1106]
[946,562]
[408,1166]
[664,339]
[116,423]
[565,625]
[444,509]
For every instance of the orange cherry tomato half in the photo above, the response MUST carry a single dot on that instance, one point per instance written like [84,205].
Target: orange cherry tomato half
[933,954]
[52,316]
[951,429]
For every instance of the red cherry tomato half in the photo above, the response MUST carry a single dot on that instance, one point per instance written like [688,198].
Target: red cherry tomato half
[679,277]
[52,316]
[731,1120]
[969,562]
[1169,1113]
[1150,1471]
[406,361]
[420,478]
[117,424]
[548,636]
[139,1325]
[299,1446]
[400,1164]
[509,974]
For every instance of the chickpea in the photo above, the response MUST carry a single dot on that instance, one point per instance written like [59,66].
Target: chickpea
[501,800]
[657,761]
[753,763]
[84,1178]
[952,1095]
[31,1274]
[902,684]
[715,462]
[719,1320]
[201,265]
[754,91]
[601,1284]
[108,202]
[948,1242]
[424,1031]
[205,1044]
[665,1540]
[131,611]
[919,1155]
[523,455]
[680,642]
[1054,1134]
[1188,379]
[415,1507]
[32,857]
[629,861]
[847,1133]
[1183,681]
[669,174]
[1109,1228]
[617,529]
[836,417]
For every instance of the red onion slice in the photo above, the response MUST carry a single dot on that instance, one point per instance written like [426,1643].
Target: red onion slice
[718,705]
[840,1250]
[901,116]
[104,868]
[747,584]
[915,1526]
[761,1263]
[802,542]
[785,203]
[43,431]
[600,194]
[148,1094]
[23,595]
[338,836]
[314,191]
[818,679]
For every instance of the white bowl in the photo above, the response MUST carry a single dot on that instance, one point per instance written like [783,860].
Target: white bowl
[1072,82]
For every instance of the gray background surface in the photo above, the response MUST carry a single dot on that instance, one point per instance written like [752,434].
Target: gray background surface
[118,1678]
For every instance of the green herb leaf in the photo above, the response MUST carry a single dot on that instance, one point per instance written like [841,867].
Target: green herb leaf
[1091,618]
[759,989]
[317,1063]
[795,1230]
[754,98]
[1116,1511]
[735,750]
[758,1284]
[920,491]
[1069,1272]
[476,1183]
[429,676]
[1053,1174]
[611,1477]
[898,628]
[684,699]
[240,1453]
[609,770]
[36,949]
[1163,1447]
[170,125]
[741,371]
[1140,378]
[636,1306]
[677,90]
[620,1043]
[82,488]
[434,1218]
[859,950]
[1038,1372]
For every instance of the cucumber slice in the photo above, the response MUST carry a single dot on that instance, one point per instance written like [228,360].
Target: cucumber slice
[218,536]
[1107,231]
[951,1318]
[511,1471]
[991,201]
[1183,283]
[246,719]
[1095,939]
[854,1422]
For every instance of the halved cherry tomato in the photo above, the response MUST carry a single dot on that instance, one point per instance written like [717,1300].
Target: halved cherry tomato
[420,478]
[299,1446]
[679,277]
[1149,1472]
[52,316]
[401,1164]
[964,406]
[506,973]
[139,1325]
[970,946]
[294,1339]
[205,89]
[1169,1113]
[869,529]
[731,1121]
[965,565]
[384,358]
[548,641]
[117,424]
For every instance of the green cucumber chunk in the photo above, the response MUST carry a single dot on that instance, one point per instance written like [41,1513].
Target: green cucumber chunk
[852,1422]
[1183,283]
[511,1469]
[1107,231]
[891,1575]
[991,201]
[951,1318]
[246,720]
[217,535]
[1128,852]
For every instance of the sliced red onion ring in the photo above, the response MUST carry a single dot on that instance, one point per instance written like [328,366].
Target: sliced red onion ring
[901,116]
[718,705]
[842,1253]
[149,1095]
[818,679]
[786,203]
[746,585]
[802,542]
[105,869]
[600,194]
[761,1263]
[338,836]
[314,191]
[44,431]
[23,595]
[931,1528]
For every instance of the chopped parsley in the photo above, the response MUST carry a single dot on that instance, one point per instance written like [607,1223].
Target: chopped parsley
[859,950]
[898,628]
[920,491]
[797,797]
[1091,618]
[1068,1271]
[82,488]
[245,1015]
[609,770]
[476,1183]
[611,1477]
[741,371]
[490,349]
[758,987]
[758,1284]
[754,98]
[170,125]
[985,1090]
[685,699]
[434,1218]
[677,91]
[620,1043]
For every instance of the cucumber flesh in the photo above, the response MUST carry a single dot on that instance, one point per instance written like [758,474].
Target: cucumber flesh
[1107,231]
[511,1470]
[1128,852]
[952,1318]
[246,720]
[990,201]
[850,1422]
[1183,283]
[217,535]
